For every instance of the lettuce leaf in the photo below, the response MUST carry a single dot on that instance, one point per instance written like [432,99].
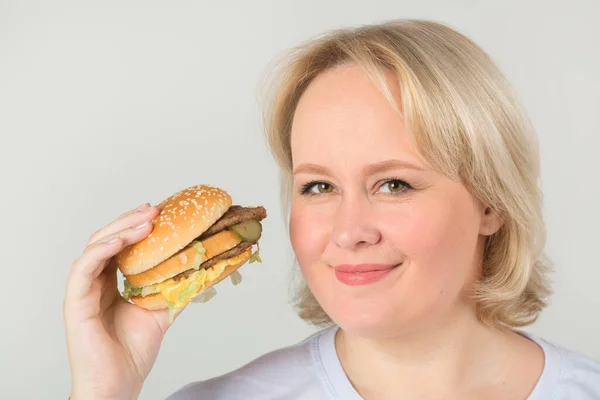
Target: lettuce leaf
[200,254]
[205,295]
[187,292]
[148,290]
[236,277]
[131,291]
[172,311]
[255,257]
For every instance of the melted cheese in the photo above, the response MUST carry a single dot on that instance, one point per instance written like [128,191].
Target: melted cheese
[181,292]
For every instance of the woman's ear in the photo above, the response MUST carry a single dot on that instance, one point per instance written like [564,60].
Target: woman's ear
[490,222]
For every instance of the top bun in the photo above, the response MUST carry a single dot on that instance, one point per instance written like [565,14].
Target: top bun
[183,217]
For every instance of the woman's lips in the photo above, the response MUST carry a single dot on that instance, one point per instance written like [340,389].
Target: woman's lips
[362,274]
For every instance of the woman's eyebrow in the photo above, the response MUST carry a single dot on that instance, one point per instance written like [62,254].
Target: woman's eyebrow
[371,169]
[390,164]
[311,169]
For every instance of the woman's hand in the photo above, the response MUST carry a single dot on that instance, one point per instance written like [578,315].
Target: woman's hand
[112,344]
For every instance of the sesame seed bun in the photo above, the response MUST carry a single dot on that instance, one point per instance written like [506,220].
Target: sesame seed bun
[158,302]
[183,217]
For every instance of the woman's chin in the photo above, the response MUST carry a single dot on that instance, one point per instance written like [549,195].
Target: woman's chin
[371,323]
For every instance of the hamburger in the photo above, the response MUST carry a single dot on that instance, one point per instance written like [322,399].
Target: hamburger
[198,239]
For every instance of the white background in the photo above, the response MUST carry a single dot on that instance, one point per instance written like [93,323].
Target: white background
[105,105]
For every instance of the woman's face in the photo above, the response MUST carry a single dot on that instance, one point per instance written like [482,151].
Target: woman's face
[385,243]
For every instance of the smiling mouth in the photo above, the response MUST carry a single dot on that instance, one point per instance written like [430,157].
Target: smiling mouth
[363,274]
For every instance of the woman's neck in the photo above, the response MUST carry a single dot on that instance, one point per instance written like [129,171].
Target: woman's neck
[458,357]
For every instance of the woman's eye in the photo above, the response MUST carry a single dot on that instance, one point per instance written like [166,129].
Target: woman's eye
[322,187]
[317,188]
[394,186]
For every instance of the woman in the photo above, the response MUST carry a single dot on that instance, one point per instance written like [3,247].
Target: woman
[415,217]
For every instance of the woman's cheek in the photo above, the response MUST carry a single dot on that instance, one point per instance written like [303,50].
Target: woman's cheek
[440,241]
[306,234]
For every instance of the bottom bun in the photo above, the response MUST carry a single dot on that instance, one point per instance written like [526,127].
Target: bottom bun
[158,302]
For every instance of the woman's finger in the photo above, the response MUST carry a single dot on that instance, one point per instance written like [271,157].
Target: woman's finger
[131,218]
[96,256]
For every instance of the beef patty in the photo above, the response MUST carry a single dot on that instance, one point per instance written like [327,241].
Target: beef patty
[234,215]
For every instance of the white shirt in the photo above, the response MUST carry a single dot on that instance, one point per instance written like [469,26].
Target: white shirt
[311,370]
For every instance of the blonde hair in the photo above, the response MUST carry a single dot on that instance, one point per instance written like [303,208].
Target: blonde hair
[465,122]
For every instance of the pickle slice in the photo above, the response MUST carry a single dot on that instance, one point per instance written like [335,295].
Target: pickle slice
[249,230]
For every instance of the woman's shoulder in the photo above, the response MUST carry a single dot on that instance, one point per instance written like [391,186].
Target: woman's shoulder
[288,372]
[568,374]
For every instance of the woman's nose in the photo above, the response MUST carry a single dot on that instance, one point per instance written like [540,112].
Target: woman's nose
[354,225]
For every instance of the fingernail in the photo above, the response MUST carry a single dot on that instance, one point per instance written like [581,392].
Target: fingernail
[110,240]
[145,224]
[142,207]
